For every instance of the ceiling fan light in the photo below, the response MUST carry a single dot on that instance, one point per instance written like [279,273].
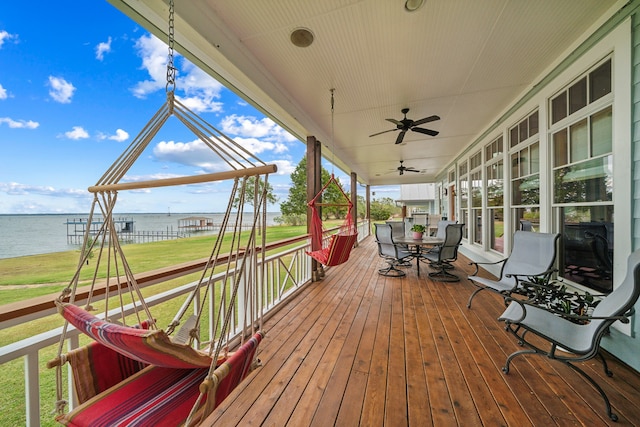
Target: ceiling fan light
[413,5]
[302,37]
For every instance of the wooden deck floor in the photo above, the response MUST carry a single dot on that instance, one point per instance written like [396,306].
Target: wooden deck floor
[361,349]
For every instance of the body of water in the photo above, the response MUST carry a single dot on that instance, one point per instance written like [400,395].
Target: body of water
[22,235]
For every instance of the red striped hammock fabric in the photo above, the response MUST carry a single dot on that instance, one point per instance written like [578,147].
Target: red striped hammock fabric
[160,396]
[153,347]
[155,396]
[335,250]
[96,367]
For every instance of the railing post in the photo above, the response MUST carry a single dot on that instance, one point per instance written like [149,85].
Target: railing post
[73,343]
[32,385]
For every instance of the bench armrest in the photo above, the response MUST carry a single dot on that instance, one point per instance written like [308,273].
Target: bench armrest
[478,264]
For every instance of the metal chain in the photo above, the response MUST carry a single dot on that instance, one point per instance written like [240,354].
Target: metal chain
[171,70]
[333,142]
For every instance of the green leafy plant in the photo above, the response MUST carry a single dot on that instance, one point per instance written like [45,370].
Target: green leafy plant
[557,297]
[418,228]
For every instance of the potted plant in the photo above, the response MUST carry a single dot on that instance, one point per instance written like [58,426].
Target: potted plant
[418,230]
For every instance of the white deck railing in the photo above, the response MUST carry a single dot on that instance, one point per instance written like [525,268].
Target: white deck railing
[286,272]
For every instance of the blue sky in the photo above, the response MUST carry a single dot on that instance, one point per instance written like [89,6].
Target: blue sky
[78,83]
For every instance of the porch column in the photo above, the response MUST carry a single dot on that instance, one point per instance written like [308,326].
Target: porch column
[354,199]
[314,185]
[367,203]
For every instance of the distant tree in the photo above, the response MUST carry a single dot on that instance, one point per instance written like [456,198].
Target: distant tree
[382,209]
[296,203]
[362,207]
[249,195]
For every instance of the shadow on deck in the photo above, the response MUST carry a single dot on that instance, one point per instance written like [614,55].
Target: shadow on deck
[361,349]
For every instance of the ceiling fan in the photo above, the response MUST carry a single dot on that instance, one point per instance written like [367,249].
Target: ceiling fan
[407,124]
[402,168]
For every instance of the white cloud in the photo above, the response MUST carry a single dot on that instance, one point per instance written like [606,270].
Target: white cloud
[120,136]
[77,132]
[3,93]
[149,177]
[201,104]
[285,167]
[247,126]
[61,90]
[280,148]
[198,91]
[102,48]
[257,146]
[19,124]
[5,36]
[154,59]
[194,153]
[17,189]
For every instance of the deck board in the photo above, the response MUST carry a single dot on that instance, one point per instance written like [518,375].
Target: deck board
[358,348]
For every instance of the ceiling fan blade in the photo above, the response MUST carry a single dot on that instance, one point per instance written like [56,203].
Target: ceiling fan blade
[400,136]
[384,131]
[412,170]
[395,122]
[426,131]
[426,120]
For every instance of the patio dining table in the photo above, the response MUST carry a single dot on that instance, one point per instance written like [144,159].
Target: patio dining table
[418,245]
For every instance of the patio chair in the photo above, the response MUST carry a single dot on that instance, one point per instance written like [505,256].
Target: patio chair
[398,230]
[441,233]
[526,225]
[393,254]
[532,256]
[576,342]
[446,254]
[434,220]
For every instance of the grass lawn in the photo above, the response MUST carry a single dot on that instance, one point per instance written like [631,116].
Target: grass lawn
[27,277]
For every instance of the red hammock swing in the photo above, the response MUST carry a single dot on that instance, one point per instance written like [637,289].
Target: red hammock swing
[335,250]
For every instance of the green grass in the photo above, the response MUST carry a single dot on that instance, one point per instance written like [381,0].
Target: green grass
[27,277]
[59,267]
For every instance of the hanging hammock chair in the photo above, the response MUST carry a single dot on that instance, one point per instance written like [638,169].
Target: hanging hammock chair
[134,373]
[331,249]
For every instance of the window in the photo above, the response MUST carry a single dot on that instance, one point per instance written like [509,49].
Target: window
[495,194]
[583,166]
[525,129]
[525,178]
[574,98]
[464,196]
[582,148]
[475,175]
[475,161]
[493,150]
[476,205]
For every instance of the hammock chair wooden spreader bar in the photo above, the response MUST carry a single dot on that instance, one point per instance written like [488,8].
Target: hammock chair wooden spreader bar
[335,249]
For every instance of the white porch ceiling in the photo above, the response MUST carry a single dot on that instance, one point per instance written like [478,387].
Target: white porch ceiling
[464,60]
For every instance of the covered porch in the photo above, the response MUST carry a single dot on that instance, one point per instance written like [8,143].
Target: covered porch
[358,348]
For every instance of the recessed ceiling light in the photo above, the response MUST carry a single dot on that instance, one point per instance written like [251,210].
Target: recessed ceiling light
[413,5]
[302,37]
